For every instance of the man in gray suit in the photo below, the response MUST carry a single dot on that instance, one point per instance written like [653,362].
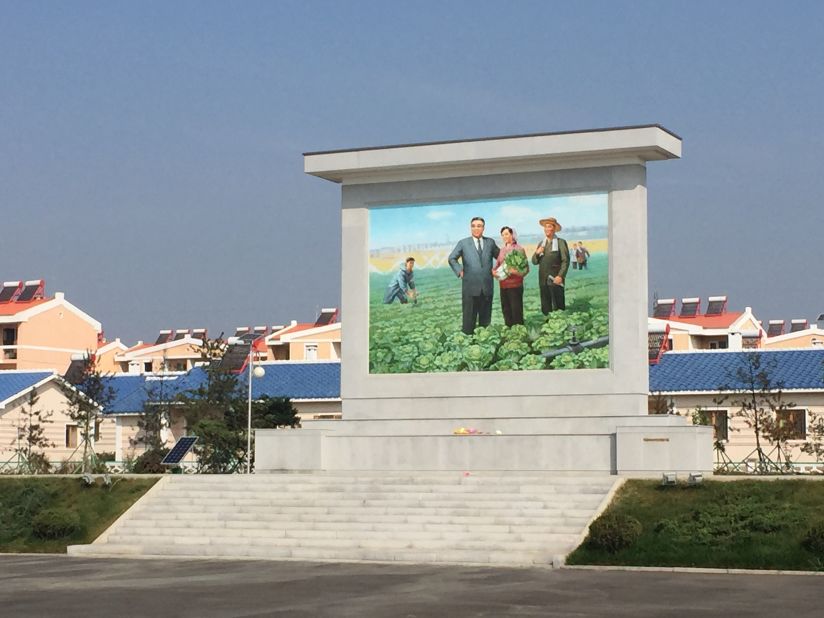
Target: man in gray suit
[477,254]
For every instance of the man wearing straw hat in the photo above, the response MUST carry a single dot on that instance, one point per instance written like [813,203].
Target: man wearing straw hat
[552,258]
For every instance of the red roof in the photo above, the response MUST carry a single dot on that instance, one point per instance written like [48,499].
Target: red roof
[15,307]
[140,347]
[293,329]
[725,320]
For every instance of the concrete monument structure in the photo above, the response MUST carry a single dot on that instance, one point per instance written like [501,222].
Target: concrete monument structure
[579,420]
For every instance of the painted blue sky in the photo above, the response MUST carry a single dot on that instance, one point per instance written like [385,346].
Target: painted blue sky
[449,222]
[150,152]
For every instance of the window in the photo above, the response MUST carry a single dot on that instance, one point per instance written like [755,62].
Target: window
[310,351]
[147,367]
[9,336]
[794,423]
[71,436]
[720,424]
[96,431]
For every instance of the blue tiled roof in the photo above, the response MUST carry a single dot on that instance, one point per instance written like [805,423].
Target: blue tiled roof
[13,382]
[297,381]
[293,380]
[710,371]
[130,392]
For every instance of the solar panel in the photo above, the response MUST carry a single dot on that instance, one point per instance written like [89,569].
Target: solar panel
[10,289]
[689,307]
[163,337]
[775,328]
[242,330]
[179,450]
[181,333]
[327,316]
[797,325]
[32,290]
[76,370]
[664,309]
[717,305]
[235,357]
[657,342]
[199,333]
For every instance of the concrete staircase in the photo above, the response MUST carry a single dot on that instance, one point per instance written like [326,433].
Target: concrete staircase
[496,518]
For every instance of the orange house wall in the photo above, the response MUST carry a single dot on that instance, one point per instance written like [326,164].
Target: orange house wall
[56,328]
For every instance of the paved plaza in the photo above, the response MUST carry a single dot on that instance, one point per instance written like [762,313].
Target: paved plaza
[49,585]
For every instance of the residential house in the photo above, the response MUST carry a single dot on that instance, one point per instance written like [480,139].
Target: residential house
[40,333]
[173,350]
[711,381]
[714,328]
[313,388]
[318,341]
[801,334]
[60,430]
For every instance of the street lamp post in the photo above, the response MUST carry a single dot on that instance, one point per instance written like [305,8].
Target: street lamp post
[258,372]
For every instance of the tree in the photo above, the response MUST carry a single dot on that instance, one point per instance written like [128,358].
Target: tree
[88,395]
[758,395]
[215,411]
[154,417]
[274,412]
[658,404]
[31,435]
[815,437]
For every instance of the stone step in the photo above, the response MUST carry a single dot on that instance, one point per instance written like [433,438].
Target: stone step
[265,535]
[450,518]
[389,478]
[442,556]
[393,488]
[443,516]
[230,504]
[303,512]
[186,527]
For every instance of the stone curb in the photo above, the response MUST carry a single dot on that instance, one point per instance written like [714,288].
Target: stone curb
[689,570]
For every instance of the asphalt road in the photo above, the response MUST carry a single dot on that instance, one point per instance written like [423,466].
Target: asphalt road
[52,585]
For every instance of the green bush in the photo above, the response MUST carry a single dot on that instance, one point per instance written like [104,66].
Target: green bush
[814,539]
[613,532]
[56,523]
[149,462]
[39,464]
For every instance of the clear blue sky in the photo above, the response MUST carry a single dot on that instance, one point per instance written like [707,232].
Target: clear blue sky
[150,152]
[448,223]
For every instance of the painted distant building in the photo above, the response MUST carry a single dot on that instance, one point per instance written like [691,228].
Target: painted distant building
[42,333]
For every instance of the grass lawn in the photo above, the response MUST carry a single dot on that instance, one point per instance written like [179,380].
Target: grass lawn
[21,499]
[719,524]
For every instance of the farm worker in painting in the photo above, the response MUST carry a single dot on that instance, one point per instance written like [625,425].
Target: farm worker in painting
[402,285]
[552,258]
[511,279]
[476,254]
[581,255]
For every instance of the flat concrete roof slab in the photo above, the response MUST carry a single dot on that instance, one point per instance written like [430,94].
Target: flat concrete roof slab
[506,154]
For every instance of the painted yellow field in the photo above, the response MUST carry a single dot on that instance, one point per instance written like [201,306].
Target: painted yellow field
[436,257]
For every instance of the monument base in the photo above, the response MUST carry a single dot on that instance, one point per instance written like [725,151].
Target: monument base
[638,446]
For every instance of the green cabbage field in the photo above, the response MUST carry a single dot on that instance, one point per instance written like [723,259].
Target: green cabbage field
[426,336]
